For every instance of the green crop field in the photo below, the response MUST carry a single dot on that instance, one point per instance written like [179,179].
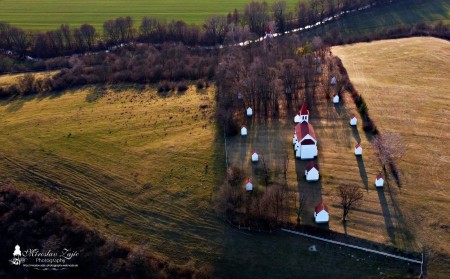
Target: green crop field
[132,164]
[50,14]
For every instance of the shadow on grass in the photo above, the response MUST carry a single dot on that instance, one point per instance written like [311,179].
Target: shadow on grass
[363,172]
[17,102]
[395,174]
[312,191]
[404,237]
[95,94]
[387,215]
[356,134]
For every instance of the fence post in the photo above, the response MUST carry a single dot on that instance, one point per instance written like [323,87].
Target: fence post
[421,268]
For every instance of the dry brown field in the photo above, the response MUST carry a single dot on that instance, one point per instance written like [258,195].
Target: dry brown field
[406,85]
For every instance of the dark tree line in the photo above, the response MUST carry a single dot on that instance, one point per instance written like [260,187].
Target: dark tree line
[134,64]
[235,26]
[34,222]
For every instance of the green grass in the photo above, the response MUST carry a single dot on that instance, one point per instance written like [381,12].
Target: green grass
[132,165]
[50,14]
[406,86]
[393,15]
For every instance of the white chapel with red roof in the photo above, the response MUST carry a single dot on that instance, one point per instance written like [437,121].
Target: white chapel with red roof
[305,141]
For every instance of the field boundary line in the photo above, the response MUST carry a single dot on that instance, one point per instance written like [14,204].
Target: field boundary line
[353,246]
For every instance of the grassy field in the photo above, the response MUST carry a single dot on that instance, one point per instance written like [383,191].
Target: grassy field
[123,161]
[405,83]
[376,219]
[132,164]
[50,14]
[10,79]
[385,17]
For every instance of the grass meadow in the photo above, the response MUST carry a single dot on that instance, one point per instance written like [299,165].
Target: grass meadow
[396,14]
[131,164]
[406,86]
[50,14]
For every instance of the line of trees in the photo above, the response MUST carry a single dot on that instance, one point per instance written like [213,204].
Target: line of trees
[134,64]
[252,23]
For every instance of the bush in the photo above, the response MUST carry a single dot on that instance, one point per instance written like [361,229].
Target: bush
[182,87]
[200,84]
[369,126]
[164,87]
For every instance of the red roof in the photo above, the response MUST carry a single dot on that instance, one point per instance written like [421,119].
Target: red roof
[249,180]
[243,126]
[303,129]
[311,165]
[268,31]
[321,206]
[253,152]
[303,109]
[357,145]
[352,116]
[379,176]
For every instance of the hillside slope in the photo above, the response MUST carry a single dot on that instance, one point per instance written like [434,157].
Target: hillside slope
[405,83]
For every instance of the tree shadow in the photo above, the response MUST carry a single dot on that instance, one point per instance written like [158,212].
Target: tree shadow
[404,235]
[312,191]
[363,172]
[387,215]
[356,134]
[17,104]
[395,174]
[96,93]
[340,107]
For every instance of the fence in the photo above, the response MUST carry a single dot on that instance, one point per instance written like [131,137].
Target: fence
[360,248]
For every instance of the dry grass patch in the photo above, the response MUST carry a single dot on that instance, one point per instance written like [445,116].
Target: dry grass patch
[376,219]
[406,86]
[124,160]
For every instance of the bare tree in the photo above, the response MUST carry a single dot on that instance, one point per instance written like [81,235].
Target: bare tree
[302,14]
[290,72]
[256,16]
[285,166]
[300,205]
[215,29]
[265,170]
[388,148]
[67,35]
[19,39]
[279,15]
[88,34]
[232,192]
[273,203]
[351,196]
